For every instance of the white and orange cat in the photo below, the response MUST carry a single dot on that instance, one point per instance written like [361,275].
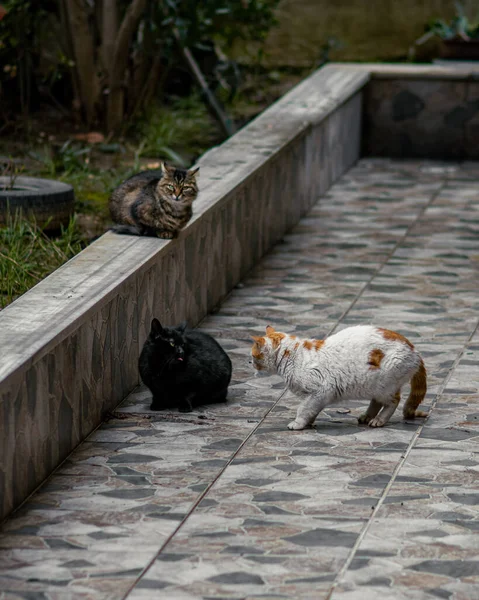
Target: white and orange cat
[362,363]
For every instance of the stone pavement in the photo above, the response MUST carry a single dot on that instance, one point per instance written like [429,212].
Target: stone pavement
[225,502]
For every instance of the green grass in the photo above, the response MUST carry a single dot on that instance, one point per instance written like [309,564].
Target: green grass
[27,255]
[93,188]
[178,133]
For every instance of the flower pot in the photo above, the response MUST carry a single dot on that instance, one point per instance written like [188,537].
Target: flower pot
[460,49]
[48,202]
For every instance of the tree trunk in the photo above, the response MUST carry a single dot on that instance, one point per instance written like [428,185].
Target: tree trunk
[84,55]
[146,91]
[69,51]
[120,62]
[109,31]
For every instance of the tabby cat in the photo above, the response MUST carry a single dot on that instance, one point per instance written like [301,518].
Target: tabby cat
[183,368]
[154,203]
[362,362]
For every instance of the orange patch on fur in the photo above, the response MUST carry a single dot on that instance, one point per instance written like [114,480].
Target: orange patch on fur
[276,339]
[416,396]
[308,345]
[393,335]
[318,344]
[256,350]
[296,346]
[375,358]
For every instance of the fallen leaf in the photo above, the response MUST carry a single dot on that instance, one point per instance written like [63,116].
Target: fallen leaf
[93,137]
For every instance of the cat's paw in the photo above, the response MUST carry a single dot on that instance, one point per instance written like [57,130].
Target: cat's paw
[296,425]
[376,422]
[415,413]
[421,413]
[166,235]
[364,419]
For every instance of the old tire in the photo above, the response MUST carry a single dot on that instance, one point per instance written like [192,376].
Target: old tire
[49,203]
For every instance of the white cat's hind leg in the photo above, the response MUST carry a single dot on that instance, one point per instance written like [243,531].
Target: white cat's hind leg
[308,410]
[389,406]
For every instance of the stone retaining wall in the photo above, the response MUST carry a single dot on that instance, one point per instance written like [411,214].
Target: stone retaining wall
[411,118]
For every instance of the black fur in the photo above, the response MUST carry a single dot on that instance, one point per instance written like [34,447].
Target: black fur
[183,368]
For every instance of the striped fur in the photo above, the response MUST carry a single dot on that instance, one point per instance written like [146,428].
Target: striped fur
[154,203]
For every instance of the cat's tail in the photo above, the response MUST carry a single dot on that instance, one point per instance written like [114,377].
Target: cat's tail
[416,396]
[126,229]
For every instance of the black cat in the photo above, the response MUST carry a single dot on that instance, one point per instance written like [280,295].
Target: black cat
[183,368]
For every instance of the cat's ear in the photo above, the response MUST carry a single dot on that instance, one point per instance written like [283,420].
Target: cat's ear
[164,168]
[182,327]
[269,330]
[192,173]
[258,339]
[156,327]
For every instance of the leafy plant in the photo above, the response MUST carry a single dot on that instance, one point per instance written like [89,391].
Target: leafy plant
[460,27]
[11,170]
[222,21]
[67,158]
[107,59]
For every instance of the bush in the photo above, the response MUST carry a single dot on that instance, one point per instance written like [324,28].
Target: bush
[110,56]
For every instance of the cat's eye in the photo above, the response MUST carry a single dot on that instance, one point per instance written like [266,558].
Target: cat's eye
[172,343]
[170,188]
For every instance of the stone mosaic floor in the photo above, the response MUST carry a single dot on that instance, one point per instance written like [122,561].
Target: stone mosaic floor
[227,503]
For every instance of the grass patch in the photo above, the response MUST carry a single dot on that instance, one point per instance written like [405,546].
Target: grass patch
[179,132]
[27,255]
[93,188]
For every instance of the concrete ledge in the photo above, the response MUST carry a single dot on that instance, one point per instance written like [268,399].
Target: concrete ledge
[427,72]
[69,347]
